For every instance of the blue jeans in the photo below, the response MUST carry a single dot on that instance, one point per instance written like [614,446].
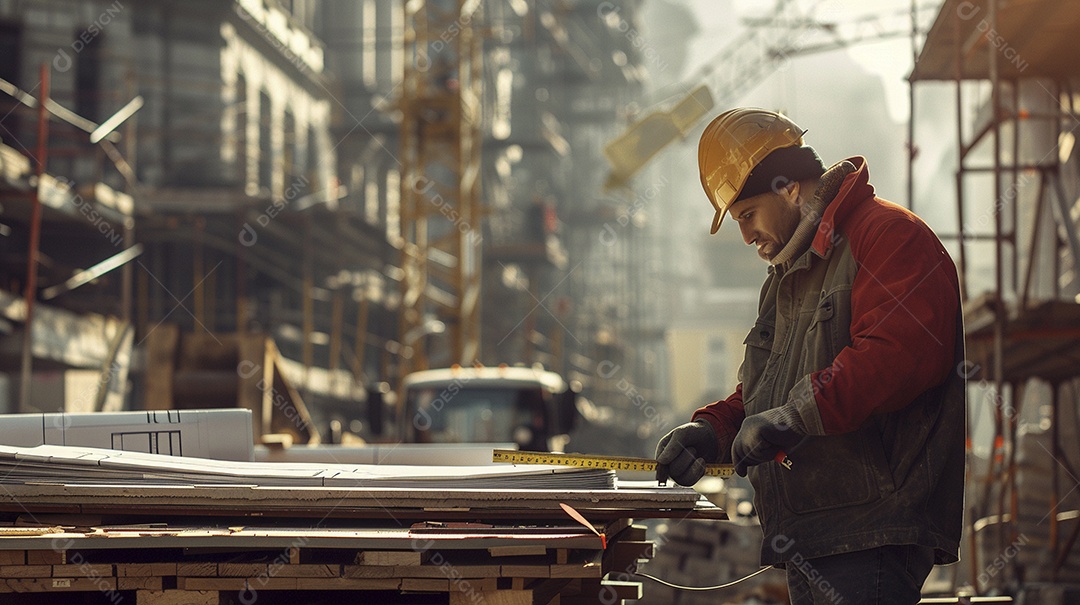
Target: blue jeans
[888,575]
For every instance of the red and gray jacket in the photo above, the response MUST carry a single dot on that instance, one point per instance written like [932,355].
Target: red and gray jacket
[863,336]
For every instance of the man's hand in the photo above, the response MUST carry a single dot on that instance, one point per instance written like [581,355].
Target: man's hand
[683,453]
[762,436]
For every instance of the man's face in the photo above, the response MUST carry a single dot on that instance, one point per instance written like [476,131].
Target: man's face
[768,221]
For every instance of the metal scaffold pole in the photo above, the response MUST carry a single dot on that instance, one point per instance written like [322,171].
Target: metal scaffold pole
[41,156]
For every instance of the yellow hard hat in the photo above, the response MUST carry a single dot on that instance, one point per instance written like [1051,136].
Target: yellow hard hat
[732,145]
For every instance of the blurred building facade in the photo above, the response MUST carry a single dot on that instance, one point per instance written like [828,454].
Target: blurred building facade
[259,190]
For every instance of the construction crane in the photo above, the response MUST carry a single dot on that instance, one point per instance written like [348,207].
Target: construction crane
[764,46]
[440,183]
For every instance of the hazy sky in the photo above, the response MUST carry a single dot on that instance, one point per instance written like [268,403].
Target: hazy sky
[888,59]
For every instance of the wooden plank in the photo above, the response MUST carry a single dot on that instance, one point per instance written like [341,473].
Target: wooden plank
[562,555]
[294,556]
[85,569]
[12,557]
[368,571]
[624,554]
[236,584]
[299,423]
[348,584]
[388,557]
[424,585]
[145,569]
[525,571]
[613,527]
[241,570]
[25,571]
[479,571]
[524,550]
[252,348]
[308,570]
[197,569]
[58,584]
[639,549]
[613,590]
[253,570]
[576,570]
[448,571]
[177,597]
[634,533]
[46,557]
[494,597]
[138,583]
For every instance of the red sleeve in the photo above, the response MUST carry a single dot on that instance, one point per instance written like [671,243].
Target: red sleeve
[726,415]
[904,304]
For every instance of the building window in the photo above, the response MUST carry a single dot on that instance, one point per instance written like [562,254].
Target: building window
[266,144]
[10,59]
[393,205]
[10,45]
[397,44]
[312,163]
[291,155]
[240,130]
[371,199]
[88,85]
[370,43]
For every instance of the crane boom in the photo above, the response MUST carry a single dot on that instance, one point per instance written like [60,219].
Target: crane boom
[758,51]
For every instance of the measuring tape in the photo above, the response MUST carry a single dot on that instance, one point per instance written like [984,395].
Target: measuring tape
[616,463]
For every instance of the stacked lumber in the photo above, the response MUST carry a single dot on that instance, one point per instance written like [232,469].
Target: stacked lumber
[467,563]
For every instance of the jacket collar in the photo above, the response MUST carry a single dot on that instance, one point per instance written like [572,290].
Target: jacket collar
[855,189]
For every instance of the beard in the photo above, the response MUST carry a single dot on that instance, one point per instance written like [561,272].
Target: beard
[769,251]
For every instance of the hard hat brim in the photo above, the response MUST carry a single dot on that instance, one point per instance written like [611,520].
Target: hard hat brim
[717,219]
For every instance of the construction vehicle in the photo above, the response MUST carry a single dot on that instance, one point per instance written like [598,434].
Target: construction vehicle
[530,407]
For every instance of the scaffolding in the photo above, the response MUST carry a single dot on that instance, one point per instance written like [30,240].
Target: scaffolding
[1027,326]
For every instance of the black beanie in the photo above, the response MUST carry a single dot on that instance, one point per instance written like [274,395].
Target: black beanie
[781,167]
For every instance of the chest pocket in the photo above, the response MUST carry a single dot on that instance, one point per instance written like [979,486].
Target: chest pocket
[829,331]
[758,345]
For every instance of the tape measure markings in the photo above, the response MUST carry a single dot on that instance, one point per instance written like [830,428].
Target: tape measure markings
[618,463]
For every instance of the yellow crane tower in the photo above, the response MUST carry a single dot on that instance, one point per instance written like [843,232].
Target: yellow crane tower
[441,134]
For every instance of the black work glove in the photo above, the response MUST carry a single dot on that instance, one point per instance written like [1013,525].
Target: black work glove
[683,453]
[764,435]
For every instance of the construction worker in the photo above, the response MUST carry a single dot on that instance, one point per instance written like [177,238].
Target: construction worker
[852,367]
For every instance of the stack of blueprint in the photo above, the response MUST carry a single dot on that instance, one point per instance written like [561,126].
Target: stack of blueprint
[75,465]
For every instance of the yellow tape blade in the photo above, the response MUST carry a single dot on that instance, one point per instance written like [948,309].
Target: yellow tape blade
[618,463]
